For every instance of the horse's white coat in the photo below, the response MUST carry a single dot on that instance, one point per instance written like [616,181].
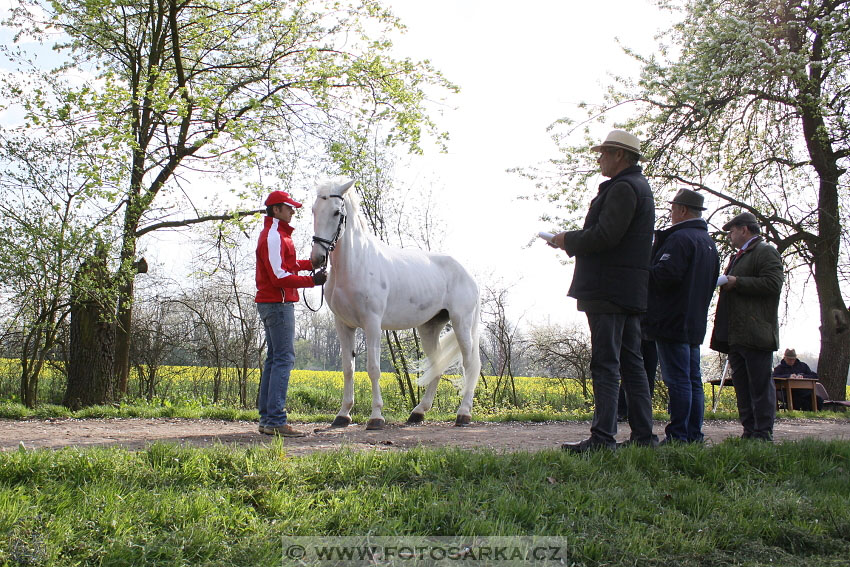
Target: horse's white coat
[374,286]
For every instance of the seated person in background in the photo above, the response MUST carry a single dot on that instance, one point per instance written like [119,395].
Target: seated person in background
[791,367]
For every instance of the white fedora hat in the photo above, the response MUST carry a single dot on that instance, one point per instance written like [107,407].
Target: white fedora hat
[621,140]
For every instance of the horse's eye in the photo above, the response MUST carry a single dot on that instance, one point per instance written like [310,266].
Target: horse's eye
[336,213]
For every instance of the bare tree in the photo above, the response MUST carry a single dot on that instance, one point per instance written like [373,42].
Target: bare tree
[502,341]
[157,332]
[316,329]
[564,354]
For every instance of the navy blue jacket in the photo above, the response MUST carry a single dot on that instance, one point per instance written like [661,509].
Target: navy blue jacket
[784,370]
[682,278]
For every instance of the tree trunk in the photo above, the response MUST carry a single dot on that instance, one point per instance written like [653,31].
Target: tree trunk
[834,359]
[128,269]
[29,384]
[124,322]
[243,383]
[29,378]
[90,364]
[122,337]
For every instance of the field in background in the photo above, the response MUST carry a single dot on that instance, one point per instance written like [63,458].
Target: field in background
[186,391]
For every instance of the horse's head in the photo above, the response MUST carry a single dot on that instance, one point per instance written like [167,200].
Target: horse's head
[328,219]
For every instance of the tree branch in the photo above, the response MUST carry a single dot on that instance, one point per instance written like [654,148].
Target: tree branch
[199,220]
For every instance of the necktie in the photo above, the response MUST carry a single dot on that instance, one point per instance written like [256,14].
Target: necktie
[733,260]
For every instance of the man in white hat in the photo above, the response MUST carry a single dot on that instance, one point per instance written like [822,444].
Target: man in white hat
[610,281]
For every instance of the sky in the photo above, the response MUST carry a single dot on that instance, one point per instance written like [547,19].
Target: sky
[520,67]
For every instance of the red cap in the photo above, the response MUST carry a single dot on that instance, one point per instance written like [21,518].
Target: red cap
[277,197]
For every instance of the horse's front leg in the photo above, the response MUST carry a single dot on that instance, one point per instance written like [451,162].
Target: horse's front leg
[373,366]
[346,346]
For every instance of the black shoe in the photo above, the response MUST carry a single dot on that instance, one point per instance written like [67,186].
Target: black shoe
[653,442]
[589,444]
[756,437]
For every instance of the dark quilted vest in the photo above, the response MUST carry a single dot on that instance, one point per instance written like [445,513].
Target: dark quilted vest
[620,274]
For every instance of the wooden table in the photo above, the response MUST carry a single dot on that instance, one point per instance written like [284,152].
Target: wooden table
[782,384]
[788,384]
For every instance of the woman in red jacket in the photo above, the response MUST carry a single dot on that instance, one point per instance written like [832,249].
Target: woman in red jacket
[277,292]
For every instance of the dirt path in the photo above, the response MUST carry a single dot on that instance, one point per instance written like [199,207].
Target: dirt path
[137,433]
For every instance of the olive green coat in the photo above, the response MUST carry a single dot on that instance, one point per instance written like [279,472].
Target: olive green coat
[747,316]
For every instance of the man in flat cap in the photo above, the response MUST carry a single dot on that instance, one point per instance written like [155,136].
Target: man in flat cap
[612,253]
[746,323]
[277,293]
[682,278]
[792,367]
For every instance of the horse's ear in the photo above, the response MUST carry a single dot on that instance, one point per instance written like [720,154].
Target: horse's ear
[345,187]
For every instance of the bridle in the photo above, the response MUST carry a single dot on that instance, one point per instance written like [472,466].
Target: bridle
[329,246]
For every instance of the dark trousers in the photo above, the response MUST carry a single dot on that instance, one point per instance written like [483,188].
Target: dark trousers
[754,389]
[616,356]
[650,364]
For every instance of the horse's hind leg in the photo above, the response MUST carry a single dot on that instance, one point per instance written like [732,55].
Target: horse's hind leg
[429,335]
[466,332]
[346,346]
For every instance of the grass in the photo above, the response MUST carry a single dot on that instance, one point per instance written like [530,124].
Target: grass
[737,503]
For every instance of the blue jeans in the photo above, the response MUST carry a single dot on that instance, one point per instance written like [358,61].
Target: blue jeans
[279,324]
[681,372]
[615,357]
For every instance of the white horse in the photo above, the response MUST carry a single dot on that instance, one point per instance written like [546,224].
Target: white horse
[374,286]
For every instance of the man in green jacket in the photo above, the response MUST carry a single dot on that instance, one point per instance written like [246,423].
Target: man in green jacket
[746,324]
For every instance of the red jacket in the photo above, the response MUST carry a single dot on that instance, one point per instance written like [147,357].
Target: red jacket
[277,267]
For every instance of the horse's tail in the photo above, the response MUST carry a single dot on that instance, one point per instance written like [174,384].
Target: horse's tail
[447,354]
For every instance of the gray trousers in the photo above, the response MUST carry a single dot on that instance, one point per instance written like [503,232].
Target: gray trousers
[616,355]
[754,389]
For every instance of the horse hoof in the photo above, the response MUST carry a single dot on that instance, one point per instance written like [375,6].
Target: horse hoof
[341,421]
[415,418]
[463,420]
[375,423]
